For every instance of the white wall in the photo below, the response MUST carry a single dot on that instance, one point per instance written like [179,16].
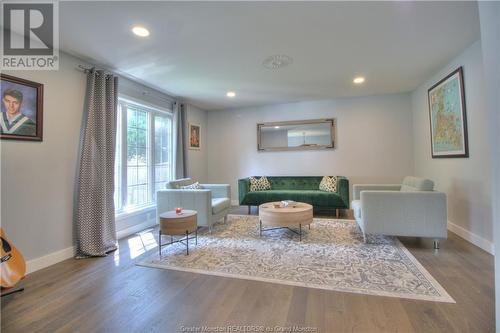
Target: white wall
[467,181]
[197,166]
[373,143]
[38,177]
[489,13]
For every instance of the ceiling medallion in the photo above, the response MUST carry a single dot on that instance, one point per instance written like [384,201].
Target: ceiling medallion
[277,61]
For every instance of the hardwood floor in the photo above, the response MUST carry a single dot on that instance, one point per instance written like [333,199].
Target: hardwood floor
[112,294]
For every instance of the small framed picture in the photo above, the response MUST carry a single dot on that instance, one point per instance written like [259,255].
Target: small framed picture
[448,118]
[21,117]
[194,136]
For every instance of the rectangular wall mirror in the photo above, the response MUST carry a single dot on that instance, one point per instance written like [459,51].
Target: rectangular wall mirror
[296,135]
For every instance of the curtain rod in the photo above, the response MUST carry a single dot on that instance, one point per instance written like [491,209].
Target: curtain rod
[86,69]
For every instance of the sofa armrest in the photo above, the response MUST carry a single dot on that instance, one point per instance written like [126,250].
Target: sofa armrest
[356,189]
[243,188]
[199,200]
[219,190]
[343,190]
[418,214]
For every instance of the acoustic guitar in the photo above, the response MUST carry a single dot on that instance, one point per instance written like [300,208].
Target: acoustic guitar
[12,267]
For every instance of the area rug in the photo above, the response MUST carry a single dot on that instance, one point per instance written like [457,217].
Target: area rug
[331,256]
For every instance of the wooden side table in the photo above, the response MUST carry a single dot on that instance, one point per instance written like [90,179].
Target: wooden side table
[174,224]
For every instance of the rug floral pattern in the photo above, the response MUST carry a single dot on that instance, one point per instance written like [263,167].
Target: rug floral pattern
[332,256]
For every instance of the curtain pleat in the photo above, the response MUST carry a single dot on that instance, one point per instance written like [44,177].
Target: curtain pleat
[95,231]
[181,141]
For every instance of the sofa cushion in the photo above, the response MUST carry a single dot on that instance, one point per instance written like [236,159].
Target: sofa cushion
[219,204]
[411,184]
[259,184]
[313,197]
[356,208]
[328,184]
[295,182]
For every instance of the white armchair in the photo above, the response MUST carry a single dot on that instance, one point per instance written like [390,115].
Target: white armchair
[410,209]
[212,202]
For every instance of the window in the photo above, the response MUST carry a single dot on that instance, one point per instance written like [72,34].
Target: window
[144,155]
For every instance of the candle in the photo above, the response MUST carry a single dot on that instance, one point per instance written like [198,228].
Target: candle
[178,210]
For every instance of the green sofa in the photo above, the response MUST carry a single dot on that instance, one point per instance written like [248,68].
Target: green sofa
[301,188]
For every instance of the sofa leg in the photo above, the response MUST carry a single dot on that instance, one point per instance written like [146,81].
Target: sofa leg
[225,219]
[436,244]
[249,210]
[337,213]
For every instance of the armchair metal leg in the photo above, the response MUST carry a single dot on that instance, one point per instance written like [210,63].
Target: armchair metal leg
[249,209]
[436,244]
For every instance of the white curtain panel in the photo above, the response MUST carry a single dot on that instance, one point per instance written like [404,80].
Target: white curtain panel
[94,212]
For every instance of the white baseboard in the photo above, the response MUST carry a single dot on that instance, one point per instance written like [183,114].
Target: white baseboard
[473,238]
[36,264]
[136,228]
[49,259]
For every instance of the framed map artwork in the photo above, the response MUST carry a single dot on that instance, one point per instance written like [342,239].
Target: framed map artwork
[447,117]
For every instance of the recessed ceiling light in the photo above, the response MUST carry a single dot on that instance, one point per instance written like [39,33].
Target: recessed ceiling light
[277,127]
[359,80]
[277,61]
[230,94]
[140,31]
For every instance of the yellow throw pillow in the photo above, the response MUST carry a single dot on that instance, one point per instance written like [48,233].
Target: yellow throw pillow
[259,184]
[328,184]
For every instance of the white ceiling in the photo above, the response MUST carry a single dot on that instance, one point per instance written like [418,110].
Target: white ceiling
[199,51]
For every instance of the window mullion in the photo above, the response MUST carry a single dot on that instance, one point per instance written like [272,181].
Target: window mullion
[151,154]
[124,155]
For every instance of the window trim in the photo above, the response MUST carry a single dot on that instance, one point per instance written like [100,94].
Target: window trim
[152,111]
[142,104]
[124,214]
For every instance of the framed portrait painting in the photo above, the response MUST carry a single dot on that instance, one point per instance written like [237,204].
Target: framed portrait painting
[447,115]
[21,115]
[194,137]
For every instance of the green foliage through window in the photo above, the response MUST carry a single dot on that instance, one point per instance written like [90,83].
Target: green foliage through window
[146,137]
